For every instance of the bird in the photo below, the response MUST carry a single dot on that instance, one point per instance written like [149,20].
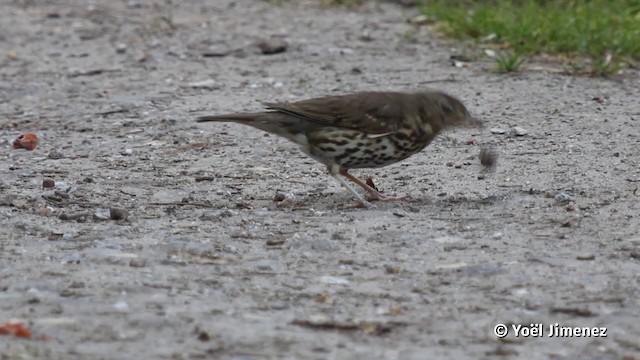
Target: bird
[368,129]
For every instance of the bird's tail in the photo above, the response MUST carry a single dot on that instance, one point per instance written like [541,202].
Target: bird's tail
[269,121]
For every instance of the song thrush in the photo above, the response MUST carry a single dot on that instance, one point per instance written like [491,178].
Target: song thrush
[362,130]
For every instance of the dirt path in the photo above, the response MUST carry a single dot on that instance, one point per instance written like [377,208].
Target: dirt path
[216,269]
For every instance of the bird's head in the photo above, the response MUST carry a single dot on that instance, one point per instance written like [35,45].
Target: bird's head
[451,111]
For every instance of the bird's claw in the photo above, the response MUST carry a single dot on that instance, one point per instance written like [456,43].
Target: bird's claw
[363,205]
[380,197]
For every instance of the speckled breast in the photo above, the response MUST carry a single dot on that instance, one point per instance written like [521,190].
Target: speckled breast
[353,149]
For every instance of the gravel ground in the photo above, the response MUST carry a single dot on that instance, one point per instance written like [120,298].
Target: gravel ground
[203,263]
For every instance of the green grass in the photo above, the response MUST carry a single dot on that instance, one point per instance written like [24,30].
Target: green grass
[600,36]
[509,61]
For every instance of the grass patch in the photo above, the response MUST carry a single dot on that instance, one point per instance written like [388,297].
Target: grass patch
[509,61]
[600,35]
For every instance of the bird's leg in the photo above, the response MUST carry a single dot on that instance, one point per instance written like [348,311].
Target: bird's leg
[333,171]
[374,194]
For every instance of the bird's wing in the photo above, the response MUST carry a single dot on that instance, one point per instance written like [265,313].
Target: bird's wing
[375,113]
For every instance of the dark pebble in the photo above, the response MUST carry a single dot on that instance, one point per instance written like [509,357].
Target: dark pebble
[118,214]
[55,155]
[48,183]
[272,46]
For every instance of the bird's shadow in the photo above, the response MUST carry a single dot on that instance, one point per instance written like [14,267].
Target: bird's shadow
[342,202]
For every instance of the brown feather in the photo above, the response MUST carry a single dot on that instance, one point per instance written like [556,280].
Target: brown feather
[370,112]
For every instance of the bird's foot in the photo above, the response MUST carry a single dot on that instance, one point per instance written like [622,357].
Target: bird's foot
[363,205]
[379,197]
[359,204]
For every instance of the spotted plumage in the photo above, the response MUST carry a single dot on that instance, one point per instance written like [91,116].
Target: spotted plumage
[362,130]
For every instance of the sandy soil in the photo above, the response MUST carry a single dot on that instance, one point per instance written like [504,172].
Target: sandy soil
[207,265]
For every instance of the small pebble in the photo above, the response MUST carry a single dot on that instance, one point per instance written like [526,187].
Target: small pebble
[219,52]
[497,131]
[127,152]
[418,20]
[48,183]
[272,46]
[392,269]
[78,216]
[204,336]
[586,257]
[67,236]
[101,215]
[138,262]
[62,186]
[121,48]
[121,306]
[45,211]
[519,131]
[55,154]
[54,236]
[563,197]
[118,214]
[275,242]
[208,84]
[134,4]
[278,305]
[284,200]
[6,200]
[333,280]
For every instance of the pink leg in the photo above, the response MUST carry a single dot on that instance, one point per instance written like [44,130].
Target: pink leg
[373,193]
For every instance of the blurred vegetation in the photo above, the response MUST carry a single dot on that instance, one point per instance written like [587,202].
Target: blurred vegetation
[598,36]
